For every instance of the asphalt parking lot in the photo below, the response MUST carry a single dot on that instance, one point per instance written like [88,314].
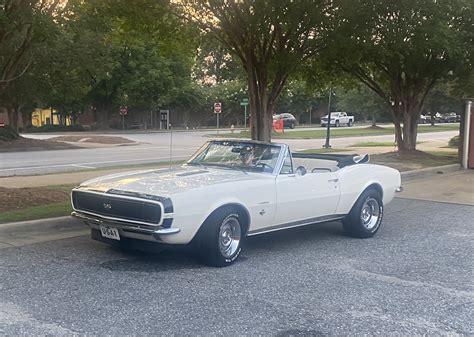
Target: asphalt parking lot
[414,277]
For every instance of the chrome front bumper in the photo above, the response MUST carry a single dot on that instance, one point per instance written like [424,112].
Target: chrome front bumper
[125,226]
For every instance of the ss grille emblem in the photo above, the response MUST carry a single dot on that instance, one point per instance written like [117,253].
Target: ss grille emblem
[107,205]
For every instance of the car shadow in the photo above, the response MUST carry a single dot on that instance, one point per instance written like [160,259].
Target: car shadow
[184,257]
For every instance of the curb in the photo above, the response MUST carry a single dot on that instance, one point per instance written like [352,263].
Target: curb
[429,171]
[17,234]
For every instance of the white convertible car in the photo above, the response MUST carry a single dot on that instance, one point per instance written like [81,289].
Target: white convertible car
[231,189]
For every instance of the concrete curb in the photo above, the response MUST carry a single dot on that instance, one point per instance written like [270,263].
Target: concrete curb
[429,171]
[17,234]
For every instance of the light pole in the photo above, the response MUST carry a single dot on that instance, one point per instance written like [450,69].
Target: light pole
[328,126]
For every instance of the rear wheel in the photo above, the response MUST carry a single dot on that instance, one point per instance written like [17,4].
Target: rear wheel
[366,215]
[337,124]
[220,238]
[292,125]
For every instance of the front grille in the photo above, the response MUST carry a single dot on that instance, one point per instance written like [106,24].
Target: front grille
[117,207]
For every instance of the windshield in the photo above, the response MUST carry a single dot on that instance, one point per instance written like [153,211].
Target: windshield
[238,155]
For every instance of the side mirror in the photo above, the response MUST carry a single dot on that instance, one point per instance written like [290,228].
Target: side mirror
[300,170]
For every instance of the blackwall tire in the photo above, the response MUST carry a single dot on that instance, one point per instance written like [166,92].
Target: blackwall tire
[219,241]
[365,217]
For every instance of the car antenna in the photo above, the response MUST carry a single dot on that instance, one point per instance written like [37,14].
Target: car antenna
[171,145]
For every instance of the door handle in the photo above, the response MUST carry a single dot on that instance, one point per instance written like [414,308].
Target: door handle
[334,179]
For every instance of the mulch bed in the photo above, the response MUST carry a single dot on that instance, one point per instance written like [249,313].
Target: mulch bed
[28,144]
[19,198]
[93,139]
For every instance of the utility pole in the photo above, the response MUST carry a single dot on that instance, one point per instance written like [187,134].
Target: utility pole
[328,126]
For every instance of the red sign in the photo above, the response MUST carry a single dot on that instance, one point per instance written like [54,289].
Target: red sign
[217,108]
[278,125]
[123,110]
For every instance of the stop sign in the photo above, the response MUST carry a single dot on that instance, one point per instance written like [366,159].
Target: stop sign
[217,107]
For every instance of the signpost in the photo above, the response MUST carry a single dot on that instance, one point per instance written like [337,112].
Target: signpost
[244,103]
[217,111]
[123,111]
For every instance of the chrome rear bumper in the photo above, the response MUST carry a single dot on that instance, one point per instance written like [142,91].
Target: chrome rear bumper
[126,226]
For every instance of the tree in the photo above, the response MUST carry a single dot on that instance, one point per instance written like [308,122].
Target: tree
[20,29]
[400,50]
[271,39]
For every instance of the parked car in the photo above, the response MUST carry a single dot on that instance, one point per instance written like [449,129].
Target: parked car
[424,119]
[232,189]
[451,117]
[338,119]
[289,121]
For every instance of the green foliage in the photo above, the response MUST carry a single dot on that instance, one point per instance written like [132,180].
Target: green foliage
[400,49]
[8,133]
[454,142]
[55,128]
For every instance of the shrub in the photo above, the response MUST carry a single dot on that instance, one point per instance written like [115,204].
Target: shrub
[7,133]
[55,128]
[454,142]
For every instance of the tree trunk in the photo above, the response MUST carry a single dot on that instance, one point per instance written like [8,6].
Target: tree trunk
[12,112]
[374,120]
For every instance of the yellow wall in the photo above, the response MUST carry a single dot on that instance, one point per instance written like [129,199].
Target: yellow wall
[42,117]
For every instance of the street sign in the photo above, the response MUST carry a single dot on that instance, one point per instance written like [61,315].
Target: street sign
[217,108]
[244,102]
[123,110]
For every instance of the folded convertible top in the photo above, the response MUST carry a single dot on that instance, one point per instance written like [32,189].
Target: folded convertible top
[342,160]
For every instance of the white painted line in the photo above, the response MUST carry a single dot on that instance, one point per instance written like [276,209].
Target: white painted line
[83,166]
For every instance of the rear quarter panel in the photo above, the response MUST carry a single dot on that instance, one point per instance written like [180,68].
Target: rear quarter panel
[353,180]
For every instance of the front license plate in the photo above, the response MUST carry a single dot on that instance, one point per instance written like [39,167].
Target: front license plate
[110,232]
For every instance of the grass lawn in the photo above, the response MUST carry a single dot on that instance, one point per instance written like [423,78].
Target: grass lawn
[37,212]
[376,144]
[22,204]
[341,132]
[323,150]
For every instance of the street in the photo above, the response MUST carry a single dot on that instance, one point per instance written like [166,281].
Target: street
[413,278]
[154,147]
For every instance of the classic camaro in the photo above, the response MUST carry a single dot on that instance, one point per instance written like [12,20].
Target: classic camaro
[231,189]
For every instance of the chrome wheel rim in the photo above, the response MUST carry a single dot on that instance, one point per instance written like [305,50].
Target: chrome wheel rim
[370,213]
[229,236]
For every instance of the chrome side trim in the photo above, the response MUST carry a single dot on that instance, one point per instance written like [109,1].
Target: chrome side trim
[120,197]
[298,223]
[128,226]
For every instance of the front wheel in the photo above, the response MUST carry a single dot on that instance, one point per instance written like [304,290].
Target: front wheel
[350,123]
[292,125]
[220,239]
[337,124]
[364,220]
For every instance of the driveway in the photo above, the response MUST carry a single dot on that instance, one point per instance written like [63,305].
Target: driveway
[413,278]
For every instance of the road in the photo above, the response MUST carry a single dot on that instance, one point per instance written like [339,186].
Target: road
[153,147]
[413,278]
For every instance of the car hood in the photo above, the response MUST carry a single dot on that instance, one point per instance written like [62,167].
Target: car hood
[165,182]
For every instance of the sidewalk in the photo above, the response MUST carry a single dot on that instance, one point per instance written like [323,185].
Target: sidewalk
[456,187]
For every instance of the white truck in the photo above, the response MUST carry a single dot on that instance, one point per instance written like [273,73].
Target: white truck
[338,119]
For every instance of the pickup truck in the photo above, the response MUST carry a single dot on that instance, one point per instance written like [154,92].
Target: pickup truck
[338,119]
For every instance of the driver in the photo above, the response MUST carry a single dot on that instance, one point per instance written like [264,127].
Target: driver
[247,157]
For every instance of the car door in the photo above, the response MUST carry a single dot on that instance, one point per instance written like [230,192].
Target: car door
[305,197]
